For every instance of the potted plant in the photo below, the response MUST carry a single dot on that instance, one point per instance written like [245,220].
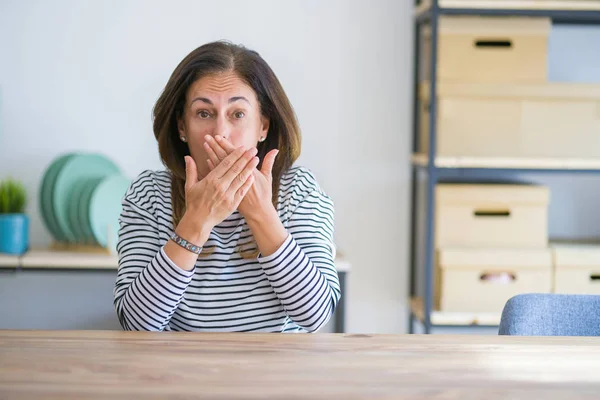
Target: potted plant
[14,224]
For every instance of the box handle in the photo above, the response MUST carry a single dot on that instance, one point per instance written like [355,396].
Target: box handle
[595,278]
[498,277]
[492,213]
[493,43]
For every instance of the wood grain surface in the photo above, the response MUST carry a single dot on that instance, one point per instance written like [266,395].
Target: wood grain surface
[128,365]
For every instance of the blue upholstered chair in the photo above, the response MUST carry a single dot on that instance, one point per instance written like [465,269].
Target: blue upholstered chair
[551,315]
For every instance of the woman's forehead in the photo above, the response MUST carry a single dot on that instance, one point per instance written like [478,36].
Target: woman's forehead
[221,86]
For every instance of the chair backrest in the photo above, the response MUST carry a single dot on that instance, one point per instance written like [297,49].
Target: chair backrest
[551,315]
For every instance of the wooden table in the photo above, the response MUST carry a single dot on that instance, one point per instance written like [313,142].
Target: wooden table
[126,365]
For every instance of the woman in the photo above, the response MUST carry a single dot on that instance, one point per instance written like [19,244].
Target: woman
[231,237]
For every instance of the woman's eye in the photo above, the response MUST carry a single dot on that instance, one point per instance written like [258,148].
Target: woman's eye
[239,114]
[203,114]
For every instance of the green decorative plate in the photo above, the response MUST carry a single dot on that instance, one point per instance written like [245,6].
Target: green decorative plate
[45,198]
[75,202]
[105,208]
[84,210]
[80,166]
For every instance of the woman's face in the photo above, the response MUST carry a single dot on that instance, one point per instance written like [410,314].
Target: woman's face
[220,104]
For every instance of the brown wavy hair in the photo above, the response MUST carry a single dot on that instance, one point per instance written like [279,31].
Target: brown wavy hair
[216,57]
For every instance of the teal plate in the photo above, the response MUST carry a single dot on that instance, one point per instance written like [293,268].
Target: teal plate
[46,208]
[105,208]
[75,203]
[86,166]
[84,210]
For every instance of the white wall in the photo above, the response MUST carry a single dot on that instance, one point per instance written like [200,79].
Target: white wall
[84,75]
[574,57]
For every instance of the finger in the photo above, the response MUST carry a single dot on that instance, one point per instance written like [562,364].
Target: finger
[243,176]
[211,166]
[225,143]
[238,167]
[191,172]
[242,191]
[211,154]
[269,160]
[216,147]
[224,166]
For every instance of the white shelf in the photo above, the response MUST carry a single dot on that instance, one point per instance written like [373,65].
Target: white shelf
[454,318]
[10,261]
[342,265]
[554,5]
[48,259]
[508,163]
[71,260]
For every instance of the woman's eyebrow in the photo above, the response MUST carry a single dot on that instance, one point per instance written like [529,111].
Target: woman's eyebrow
[203,99]
[231,100]
[237,98]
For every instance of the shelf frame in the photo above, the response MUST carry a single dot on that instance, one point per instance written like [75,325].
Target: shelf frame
[440,319]
[452,166]
[564,12]
[439,168]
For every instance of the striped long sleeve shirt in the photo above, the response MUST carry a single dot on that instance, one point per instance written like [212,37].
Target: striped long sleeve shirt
[232,287]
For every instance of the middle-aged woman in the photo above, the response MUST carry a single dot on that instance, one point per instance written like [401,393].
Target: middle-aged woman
[232,236]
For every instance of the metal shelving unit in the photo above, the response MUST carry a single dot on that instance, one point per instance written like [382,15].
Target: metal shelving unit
[434,169]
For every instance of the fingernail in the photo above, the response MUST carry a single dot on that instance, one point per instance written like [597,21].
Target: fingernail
[207,138]
[253,151]
[185,160]
[218,138]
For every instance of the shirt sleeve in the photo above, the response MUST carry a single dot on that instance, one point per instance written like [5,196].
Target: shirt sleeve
[302,271]
[149,286]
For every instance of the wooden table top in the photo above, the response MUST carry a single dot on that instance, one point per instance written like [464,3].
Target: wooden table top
[112,364]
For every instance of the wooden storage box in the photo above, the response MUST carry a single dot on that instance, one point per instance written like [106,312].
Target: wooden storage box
[474,49]
[491,215]
[576,269]
[553,120]
[482,280]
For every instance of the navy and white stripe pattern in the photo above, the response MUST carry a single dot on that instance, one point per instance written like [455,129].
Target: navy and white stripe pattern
[296,289]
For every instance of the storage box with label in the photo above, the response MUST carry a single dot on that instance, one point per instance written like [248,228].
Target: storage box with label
[491,215]
[576,268]
[483,280]
[478,49]
[553,120]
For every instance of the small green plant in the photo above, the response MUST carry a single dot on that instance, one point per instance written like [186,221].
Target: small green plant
[12,197]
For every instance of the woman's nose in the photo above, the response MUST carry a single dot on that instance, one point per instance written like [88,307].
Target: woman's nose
[222,128]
